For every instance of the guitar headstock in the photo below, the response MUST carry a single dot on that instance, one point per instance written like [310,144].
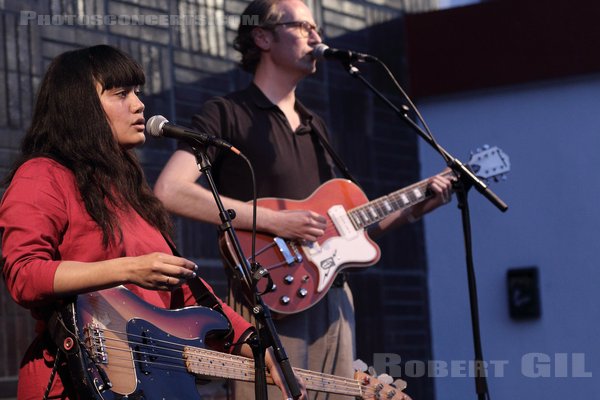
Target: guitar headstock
[489,162]
[378,387]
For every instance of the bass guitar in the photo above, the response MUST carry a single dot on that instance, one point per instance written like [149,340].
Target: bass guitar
[303,271]
[120,347]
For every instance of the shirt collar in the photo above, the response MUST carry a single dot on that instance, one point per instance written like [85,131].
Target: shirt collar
[261,101]
[259,98]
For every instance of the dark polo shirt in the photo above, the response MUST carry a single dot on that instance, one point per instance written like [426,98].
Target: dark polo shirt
[289,164]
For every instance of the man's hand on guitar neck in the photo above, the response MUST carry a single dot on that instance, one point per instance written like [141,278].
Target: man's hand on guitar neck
[439,185]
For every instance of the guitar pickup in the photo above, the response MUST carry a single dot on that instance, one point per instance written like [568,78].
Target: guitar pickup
[342,222]
[286,252]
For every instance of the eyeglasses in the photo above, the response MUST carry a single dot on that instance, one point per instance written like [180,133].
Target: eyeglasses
[304,27]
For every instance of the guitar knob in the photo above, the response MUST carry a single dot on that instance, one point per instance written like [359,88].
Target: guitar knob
[302,292]
[273,288]
[285,300]
[288,279]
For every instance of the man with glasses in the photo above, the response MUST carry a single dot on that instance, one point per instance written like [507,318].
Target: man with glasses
[280,137]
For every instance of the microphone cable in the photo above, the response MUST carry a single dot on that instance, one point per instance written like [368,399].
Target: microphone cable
[413,107]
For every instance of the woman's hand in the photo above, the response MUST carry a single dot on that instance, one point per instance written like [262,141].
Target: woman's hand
[279,380]
[156,271]
[159,271]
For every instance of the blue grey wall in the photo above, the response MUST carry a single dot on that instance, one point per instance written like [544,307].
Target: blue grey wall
[551,132]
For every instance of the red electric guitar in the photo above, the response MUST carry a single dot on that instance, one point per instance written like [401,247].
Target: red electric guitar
[304,271]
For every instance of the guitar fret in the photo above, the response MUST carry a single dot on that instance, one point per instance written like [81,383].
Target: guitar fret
[202,362]
[399,201]
[388,206]
[404,198]
[394,201]
[331,383]
[370,213]
[418,194]
[378,209]
[355,220]
[364,216]
[373,212]
[381,213]
[382,210]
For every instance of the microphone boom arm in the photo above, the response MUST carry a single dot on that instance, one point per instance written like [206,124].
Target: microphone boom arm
[454,163]
[266,332]
[466,179]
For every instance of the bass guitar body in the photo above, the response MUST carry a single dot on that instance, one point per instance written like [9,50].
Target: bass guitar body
[120,347]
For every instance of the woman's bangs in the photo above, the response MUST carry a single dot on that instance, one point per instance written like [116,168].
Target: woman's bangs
[113,68]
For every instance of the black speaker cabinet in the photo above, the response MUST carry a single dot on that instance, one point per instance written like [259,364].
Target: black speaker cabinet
[524,293]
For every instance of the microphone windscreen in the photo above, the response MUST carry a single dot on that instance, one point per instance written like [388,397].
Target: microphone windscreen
[319,51]
[155,124]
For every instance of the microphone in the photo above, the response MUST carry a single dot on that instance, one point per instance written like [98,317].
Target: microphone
[324,52]
[159,126]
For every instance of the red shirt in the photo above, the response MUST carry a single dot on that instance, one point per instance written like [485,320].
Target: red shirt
[43,221]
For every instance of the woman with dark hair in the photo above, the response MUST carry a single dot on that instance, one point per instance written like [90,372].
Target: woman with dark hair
[78,215]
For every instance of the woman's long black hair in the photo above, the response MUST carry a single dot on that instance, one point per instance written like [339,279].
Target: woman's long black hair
[69,125]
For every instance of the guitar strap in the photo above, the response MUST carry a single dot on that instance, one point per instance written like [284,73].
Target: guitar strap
[206,298]
[203,296]
[334,156]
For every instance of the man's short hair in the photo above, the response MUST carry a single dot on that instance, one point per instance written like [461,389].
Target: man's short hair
[259,13]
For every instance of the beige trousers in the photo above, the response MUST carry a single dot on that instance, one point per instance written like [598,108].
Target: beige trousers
[320,339]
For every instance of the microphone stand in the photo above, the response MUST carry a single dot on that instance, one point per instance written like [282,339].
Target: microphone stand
[466,180]
[266,333]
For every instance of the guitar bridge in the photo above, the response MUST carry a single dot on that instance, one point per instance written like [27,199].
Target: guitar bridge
[96,343]
[286,252]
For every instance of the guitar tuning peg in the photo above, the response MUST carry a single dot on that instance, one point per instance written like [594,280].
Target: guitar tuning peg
[478,150]
[372,371]
[504,177]
[385,379]
[486,146]
[400,384]
[359,365]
